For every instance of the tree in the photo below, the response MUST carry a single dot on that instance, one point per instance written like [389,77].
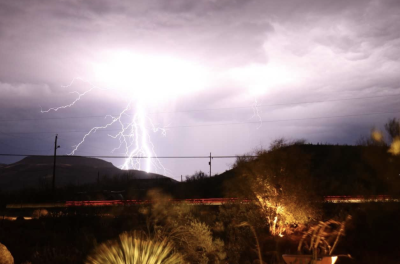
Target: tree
[280,182]
[197,176]
[392,127]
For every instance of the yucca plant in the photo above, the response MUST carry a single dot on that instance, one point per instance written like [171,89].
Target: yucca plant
[134,248]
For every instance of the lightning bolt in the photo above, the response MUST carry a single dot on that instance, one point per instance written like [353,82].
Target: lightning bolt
[133,136]
[80,95]
[256,112]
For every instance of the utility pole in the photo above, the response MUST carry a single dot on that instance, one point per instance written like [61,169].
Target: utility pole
[54,166]
[209,163]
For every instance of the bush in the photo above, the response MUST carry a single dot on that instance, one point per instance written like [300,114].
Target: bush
[279,180]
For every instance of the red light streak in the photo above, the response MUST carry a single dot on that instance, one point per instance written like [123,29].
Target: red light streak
[206,201]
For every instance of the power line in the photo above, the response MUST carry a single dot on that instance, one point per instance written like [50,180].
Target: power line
[285,120]
[204,110]
[219,124]
[125,157]
[282,104]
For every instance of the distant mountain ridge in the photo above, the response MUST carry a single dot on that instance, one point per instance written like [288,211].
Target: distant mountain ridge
[67,160]
[37,172]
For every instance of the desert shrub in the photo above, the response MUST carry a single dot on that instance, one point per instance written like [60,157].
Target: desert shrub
[280,182]
[175,222]
[196,240]
[133,248]
[163,212]
[5,255]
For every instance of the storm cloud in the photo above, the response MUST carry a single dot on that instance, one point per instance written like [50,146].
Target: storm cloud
[280,54]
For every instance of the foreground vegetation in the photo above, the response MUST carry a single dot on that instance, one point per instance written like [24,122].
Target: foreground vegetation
[286,185]
[201,234]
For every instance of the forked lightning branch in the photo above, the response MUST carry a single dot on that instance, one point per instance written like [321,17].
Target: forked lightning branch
[141,80]
[133,136]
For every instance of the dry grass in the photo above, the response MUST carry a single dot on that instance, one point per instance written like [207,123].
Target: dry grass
[323,237]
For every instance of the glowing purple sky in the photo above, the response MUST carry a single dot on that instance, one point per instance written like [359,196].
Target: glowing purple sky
[278,52]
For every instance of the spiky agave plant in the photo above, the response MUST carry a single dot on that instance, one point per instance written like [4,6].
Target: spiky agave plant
[134,248]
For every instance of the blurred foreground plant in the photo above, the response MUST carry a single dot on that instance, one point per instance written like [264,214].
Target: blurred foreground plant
[324,237]
[395,146]
[133,248]
[5,255]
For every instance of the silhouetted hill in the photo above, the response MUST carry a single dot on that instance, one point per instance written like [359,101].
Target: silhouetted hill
[336,170]
[351,170]
[204,187]
[36,172]
[66,160]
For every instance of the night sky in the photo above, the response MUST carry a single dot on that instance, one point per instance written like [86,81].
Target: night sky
[324,71]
